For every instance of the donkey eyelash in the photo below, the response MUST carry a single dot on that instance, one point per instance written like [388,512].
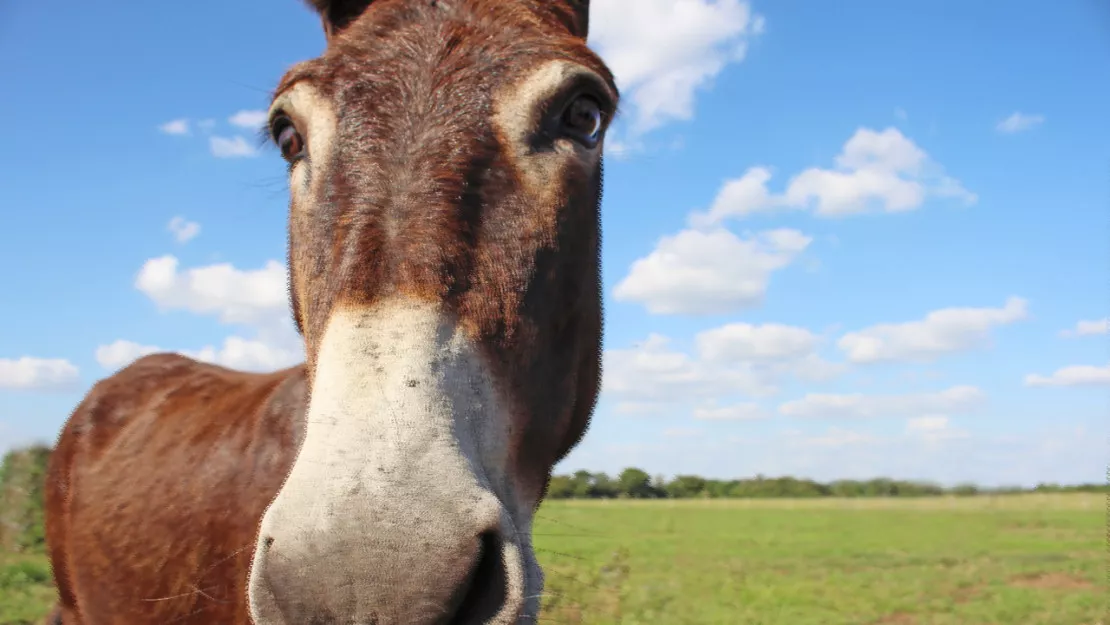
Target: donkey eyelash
[269,129]
[581,85]
[263,138]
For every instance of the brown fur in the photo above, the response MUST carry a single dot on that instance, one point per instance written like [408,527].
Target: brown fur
[162,473]
[156,486]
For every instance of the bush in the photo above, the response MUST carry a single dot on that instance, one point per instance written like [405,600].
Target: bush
[20,574]
[22,480]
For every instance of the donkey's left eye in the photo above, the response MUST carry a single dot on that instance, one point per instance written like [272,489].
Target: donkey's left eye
[288,140]
[582,119]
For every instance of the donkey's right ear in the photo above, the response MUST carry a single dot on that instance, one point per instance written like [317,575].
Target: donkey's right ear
[338,14]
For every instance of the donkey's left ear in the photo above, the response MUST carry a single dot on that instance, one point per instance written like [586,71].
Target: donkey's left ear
[575,14]
[337,15]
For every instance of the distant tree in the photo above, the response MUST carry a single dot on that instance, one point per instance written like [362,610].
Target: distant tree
[560,487]
[965,490]
[880,487]
[636,484]
[683,486]
[846,488]
[1088,488]
[924,489]
[659,486]
[582,483]
[605,487]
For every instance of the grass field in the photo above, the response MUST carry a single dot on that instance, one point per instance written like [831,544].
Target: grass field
[1026,559]
[1023,559]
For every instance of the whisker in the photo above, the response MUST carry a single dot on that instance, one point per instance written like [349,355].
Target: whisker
[195,591]
[171,597]
[225,559]
[266,91]
[210,597]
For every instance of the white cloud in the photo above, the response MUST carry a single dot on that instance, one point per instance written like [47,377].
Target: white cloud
[121,353]
[931,423]
[249,355]
[1018,122]
[249,119]
[651,372]
[663,51]
[235,147]
[857,405]
[234,295]
[747,411]
[236,353]
[940,332]
[618,149]
[695,272]
[182,229]
[175,127]
[206,125]
[682,432]
[1088,328]
[929,429]
[38,374]
[934,428]
[639,408]
[811,368]
[744,341]
[1075,375]
[255,298]
[781,350]
[834,437]
[652,377]
[875,170]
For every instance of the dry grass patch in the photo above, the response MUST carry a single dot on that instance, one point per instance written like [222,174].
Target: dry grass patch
[897,618]
[1051,581]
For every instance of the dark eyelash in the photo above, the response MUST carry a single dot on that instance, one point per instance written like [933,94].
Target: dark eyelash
[277,124]
[262,136]
[583,85]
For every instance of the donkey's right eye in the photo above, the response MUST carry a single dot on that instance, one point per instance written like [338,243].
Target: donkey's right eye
[582,120]
[288,140]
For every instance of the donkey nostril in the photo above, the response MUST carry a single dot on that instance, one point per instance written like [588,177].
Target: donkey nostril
[487,587]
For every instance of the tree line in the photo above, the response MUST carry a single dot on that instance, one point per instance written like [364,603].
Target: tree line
[634,483]
[22,474]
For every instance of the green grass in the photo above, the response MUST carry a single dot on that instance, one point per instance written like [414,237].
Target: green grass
[26,590]
[1024,559]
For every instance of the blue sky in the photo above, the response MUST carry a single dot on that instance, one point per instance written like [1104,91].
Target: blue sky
[841,239]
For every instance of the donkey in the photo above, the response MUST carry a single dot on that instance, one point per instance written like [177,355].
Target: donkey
[445,179]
